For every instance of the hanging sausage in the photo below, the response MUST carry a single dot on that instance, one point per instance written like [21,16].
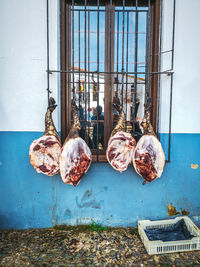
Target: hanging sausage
[76,156]
[121,144]
[44,152]
[148,157]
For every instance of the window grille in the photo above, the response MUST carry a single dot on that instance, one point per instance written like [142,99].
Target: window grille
[102,57]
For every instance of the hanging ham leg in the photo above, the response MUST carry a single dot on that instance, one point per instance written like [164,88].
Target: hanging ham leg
[76,156]
[148,157]
[45,152]
[121,144]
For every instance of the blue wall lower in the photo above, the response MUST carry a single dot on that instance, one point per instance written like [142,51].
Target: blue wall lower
[30,200]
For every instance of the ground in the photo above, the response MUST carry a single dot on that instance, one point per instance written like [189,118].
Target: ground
[84,246]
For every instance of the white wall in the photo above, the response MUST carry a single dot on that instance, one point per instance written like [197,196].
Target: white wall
[186,89]
[23,97]
[23,81]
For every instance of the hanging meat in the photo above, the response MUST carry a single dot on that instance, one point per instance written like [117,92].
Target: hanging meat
[76,156]
[121,144]
[44,152]
[148,157]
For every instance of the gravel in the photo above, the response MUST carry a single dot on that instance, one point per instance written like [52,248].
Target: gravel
[79,246]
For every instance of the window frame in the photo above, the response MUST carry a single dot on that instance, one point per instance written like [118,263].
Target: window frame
[65,61]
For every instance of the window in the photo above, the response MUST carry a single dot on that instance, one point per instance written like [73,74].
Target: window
[108,48]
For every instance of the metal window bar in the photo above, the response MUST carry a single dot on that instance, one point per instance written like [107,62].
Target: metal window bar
[172,78]
[160,64]
[127,61]
[97,77]
[47,25]
[85,56]
[147,53]
[135,66]
[122,92]
[88,94]
[117,79]
[73,89]
[88,72]
[110,63]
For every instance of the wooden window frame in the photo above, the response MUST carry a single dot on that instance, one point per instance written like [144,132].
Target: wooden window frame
[65,59]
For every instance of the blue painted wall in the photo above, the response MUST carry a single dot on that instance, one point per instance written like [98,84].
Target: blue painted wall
[29,199]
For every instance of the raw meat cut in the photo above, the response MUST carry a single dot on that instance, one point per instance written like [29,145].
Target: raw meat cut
[44,152]
[148,157]
[76,157]
[121,145]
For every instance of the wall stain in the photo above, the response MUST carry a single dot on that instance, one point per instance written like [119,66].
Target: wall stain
[33,210]
[89,201]
[54,217]
[54,220]
[68,213]
[194,166]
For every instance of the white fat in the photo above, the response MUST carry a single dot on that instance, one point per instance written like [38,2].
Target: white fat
[41,157]
[69,157]
[122,148]
[142,144]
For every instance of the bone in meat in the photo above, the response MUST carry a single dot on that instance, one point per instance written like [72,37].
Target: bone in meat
[44,152]
[148,157]
[121,144]
[76,156]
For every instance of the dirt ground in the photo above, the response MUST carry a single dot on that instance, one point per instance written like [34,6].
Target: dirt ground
[84,246]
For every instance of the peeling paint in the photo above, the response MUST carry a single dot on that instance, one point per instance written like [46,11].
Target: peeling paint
[194,166]
[172,210]
[184,212]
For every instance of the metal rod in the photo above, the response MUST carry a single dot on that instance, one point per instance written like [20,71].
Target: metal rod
[171,86]
[149,50]
[127,50]
[135,67]
[123,54]
[147,89]
[94,10]
[120,32]
[168,72]
[79,56]
[88,94]
[117,49]
[104,82]
[48,73]
[97,80]
[161,52]
[110,63]
[85,56]
[159,68]
[139,63]
[73,50]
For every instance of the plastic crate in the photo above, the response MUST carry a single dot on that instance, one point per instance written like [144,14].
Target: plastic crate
[160,247]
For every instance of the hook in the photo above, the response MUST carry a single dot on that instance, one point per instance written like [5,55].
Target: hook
[49,90]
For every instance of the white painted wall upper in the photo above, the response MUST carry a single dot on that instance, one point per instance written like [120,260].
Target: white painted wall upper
[23,98]
[186,89]
[23,82]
